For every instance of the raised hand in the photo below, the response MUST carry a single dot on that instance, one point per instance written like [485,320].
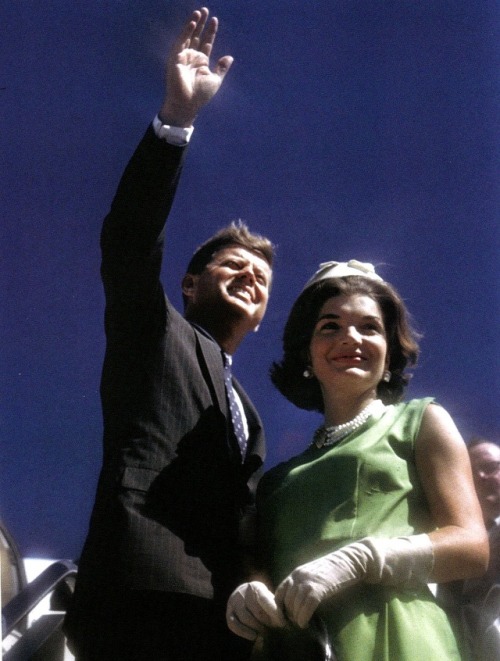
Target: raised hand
[190,83]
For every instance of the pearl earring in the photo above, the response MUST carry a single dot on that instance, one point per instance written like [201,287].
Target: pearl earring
[387,376]
[307,373]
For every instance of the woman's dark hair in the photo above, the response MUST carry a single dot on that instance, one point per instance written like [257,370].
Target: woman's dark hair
[402,346]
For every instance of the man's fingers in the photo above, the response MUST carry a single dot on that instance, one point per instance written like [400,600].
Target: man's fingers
[206,41]
[202,15]
[190,35]
[184,39]
[223,65]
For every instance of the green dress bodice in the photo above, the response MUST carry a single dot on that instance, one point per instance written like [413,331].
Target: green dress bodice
[321,500]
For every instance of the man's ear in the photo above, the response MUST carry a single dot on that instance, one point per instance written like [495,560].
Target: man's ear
[189,284]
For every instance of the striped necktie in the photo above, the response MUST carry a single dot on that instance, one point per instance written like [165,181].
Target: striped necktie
[237,420]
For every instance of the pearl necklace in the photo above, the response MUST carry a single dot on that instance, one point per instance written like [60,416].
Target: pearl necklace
[325,436]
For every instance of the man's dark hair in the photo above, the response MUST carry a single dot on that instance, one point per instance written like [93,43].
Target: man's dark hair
[402,346]
[235,233]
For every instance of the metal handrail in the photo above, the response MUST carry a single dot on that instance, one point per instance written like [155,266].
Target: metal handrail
[24,602]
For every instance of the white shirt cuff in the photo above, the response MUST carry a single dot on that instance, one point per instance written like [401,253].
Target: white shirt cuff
[174,135]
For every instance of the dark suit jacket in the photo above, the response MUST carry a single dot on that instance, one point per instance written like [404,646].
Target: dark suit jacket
[172,488]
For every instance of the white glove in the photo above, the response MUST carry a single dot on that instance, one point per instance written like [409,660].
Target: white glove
[402,561]
[251,609]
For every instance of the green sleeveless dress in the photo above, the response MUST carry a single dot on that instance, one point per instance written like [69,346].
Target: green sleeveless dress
[325,498]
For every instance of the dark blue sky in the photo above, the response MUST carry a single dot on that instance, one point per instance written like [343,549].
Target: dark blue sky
[346,128]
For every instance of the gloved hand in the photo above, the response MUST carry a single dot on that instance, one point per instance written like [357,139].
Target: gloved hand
[403,561]
[251,609]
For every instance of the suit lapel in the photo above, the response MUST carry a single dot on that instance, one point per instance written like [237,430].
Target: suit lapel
[210,359]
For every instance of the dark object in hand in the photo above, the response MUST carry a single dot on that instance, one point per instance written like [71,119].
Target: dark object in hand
[295,644]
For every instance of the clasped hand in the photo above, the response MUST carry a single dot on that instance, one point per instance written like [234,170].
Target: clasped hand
[302,591]
[400,561]
[253,607]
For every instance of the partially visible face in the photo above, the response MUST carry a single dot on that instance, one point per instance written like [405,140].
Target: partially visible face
[236,280]
[485,461]
[348,348]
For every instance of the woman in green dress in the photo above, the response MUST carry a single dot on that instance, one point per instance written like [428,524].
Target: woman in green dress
[381,503]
